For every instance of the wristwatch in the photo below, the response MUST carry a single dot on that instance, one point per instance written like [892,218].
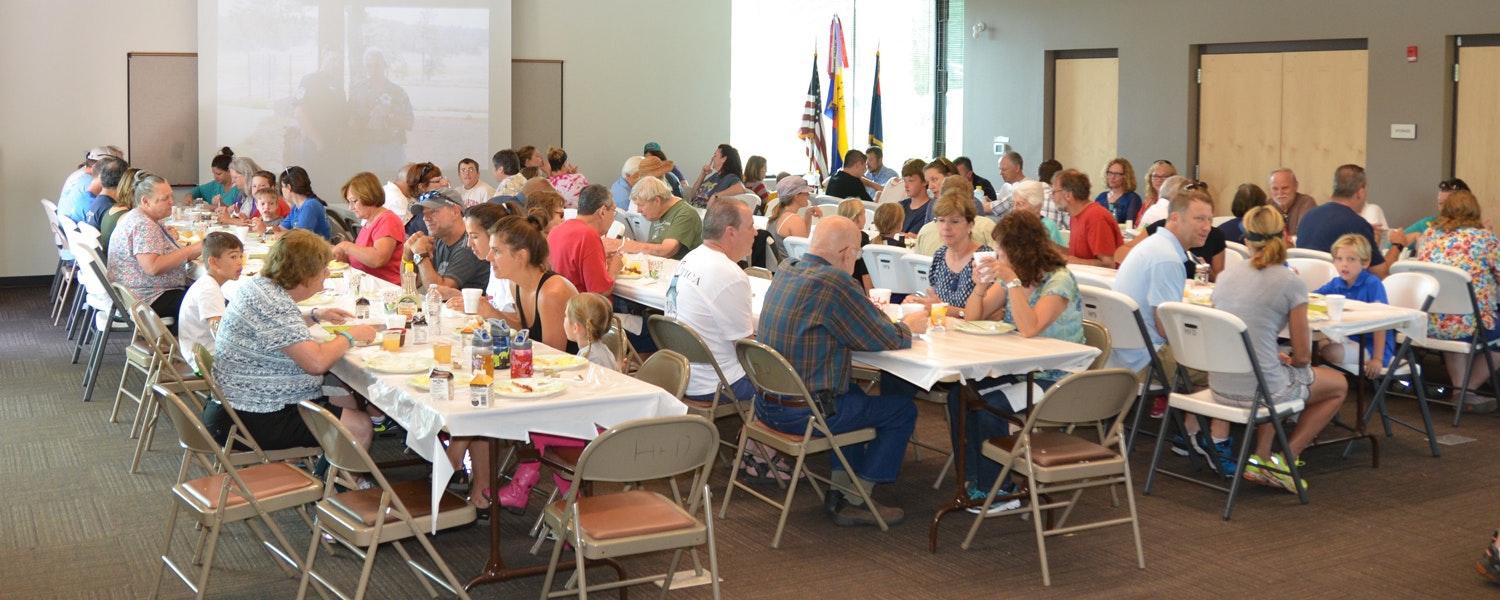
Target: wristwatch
[417,258]
[1012,284]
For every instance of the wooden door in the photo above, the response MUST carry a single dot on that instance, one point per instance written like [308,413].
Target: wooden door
[1477,130]
[1239,122]
[1323,100]
[1086,109]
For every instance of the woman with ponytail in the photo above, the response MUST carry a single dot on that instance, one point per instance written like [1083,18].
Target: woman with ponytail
[1265,294]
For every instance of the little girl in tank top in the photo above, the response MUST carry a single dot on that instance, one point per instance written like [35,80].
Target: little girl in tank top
[585,321]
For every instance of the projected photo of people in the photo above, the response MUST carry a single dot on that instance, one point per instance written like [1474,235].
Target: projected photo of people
[343,88]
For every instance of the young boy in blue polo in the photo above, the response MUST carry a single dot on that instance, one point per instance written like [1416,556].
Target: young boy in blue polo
[1351,256]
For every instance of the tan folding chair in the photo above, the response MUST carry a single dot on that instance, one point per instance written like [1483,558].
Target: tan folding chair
[638,521]
[1060,462]
[771,374]
[1096,335]
[363,519]
[141,361]
[673,335]
[239,437]
[227,495]
[165,364]
[665,369]
[619,345]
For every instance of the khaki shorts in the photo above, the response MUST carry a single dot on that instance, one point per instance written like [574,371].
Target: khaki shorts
[1169,364]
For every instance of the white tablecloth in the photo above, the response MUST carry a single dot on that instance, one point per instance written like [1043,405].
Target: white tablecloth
[958,356]
[652,293]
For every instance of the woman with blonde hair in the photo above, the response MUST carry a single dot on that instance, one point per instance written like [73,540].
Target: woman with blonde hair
[377,249]
[1265,294]
[1119,194]
[1155,176]
[854,210]
[1458,238]
[754,180]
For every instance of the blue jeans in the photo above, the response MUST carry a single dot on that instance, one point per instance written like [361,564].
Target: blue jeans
[893,417]
[741,389]
[982,425]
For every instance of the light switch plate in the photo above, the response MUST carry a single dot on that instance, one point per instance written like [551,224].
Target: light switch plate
[1403,131]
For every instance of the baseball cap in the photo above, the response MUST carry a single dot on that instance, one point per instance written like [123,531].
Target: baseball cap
[98,152]
[652,146]
[791,185]
[436,199]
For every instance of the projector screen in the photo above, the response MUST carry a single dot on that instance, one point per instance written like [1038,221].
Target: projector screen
[343,86]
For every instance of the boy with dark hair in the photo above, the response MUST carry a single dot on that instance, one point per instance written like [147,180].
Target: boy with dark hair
[203,304]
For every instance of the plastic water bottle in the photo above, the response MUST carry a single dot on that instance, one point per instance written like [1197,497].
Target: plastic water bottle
[483,353]
[434,311]
[500,334]
[520,355]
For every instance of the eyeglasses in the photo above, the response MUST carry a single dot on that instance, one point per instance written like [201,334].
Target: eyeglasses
[1115,173]
[468,170]
[1195,185]
[1453,185]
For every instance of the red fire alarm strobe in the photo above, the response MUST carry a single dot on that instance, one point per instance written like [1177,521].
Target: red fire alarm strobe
[1411,54]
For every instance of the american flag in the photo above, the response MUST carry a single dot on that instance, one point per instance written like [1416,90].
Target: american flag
[812,125]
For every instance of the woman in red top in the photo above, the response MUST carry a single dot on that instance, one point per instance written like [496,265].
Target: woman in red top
[377,250]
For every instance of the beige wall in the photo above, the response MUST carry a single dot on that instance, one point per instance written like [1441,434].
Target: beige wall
[64,92]
[1005,74]
[634,72]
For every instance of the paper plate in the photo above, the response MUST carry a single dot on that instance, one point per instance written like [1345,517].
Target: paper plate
[385,362]
[558,362]
[422,382]
[334,265]
[626,276]
[984,327]
[529,387]
[317,299]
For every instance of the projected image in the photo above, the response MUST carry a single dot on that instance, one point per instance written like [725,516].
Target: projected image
[339,89]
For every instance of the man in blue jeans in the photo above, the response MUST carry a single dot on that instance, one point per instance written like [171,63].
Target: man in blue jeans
[815,315]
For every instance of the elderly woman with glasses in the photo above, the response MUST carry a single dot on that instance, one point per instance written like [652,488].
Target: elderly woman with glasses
[1119,195]
[952,276]
[266,360]
[377,249]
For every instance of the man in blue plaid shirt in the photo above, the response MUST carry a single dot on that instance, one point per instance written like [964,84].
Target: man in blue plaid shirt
[815,315]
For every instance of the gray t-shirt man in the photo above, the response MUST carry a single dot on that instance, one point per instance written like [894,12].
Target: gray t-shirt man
[458,262]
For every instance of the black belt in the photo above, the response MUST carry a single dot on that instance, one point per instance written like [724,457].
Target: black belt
[824,398]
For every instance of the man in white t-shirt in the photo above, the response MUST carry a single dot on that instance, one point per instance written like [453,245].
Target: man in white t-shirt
[475,191]
[710,293]
[203,304]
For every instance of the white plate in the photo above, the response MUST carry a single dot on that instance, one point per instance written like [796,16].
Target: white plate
[628,276]
[984,327]
[317,299]
[422,382]
[336,266]
[540,388]
[558,362]
[385,362]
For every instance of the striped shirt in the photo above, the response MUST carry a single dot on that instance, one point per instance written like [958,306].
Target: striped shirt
[815,315]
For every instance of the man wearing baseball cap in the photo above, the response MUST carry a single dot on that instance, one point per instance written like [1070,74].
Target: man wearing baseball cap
[441,255]
[74,199]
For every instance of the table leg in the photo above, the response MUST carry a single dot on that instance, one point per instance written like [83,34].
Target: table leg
[495,570]
[1361,420]
[972,402]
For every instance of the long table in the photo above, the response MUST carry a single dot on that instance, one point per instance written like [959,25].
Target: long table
[652,293]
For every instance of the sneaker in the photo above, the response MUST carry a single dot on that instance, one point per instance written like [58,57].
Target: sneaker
[998,507]
[1223,451]
[388,428]
[1476,404]
[1271,472]
[1179,445]
[1159,408]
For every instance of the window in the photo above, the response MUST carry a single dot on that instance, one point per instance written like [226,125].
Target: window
[771,63]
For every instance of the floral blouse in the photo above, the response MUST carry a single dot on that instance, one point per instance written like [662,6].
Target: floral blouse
[1068,326]
[1473,250]
[135,234]
[953,288]
[569,185]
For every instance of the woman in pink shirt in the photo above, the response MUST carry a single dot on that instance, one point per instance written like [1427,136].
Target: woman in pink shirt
[377,250]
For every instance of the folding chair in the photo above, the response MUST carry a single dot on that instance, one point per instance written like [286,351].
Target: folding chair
[638,521]
[1236,248]
[672,334]
[619,345]
[772,375]
[165,364]
[108,311]
[1061,462]
[1315,272]
[1119,314]
[1455,297]
[1309,253]
[917,267]
[227,495]
[796,246]
[243,449]
[1406,289]
[62,277]
[884,264]
[1200,339]
[363,519]
[758,272]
